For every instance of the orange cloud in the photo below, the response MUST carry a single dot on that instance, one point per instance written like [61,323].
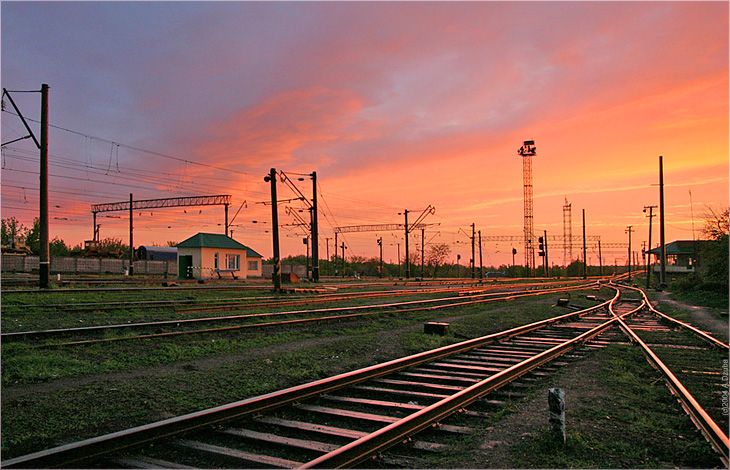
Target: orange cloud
[275,130]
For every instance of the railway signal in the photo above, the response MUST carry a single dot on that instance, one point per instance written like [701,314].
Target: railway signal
[380,244]
[543,251]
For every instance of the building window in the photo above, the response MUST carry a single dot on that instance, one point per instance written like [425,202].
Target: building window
[216,263]
[253,265]
[233,262]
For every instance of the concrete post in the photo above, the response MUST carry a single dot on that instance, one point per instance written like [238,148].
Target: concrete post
[556,403]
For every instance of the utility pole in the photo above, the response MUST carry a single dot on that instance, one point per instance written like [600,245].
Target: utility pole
[628,230]
[45,260]
[473,253]
[663,249]
[45,263]
[276,275]
[408,267]
[380,244]
[600,258]
[481,264]
[585,252]
[327,242]
[423,250]
[343,259]
[648,248]
[399,266]
[131,234]
[315,230]
[429,210]
[334,261]
[226,217]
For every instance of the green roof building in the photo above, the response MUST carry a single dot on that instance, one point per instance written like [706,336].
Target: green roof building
[212,255]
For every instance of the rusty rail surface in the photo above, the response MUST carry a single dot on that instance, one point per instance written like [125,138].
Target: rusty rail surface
[72,454]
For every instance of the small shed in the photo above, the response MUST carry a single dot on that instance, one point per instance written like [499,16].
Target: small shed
[681,255]
[157,253]
[212,255]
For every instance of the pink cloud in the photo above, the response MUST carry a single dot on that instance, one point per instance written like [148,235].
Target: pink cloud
[288,124]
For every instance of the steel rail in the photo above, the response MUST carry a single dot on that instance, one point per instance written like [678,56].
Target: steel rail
[712,432]
[88,329]
[280,323]
[367,446]
[71,454]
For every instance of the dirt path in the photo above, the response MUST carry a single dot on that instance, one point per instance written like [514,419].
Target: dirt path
[702,318]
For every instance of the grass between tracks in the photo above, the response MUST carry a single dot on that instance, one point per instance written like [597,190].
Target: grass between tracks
[70,394]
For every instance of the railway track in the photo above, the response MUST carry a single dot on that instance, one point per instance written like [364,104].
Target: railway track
[332,294]
[146,330]
[691,362]
[395,410]
[390,414]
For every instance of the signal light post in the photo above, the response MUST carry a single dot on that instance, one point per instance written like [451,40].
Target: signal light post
[543,251]
[380,244]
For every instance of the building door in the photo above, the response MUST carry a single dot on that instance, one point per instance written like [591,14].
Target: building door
[183,263]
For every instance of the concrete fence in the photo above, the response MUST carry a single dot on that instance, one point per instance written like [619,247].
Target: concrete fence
[28,264]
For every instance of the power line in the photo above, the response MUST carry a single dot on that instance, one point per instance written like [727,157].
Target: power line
[138,149]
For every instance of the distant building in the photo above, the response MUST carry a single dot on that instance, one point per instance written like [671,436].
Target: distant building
[682,256]
[157,253]
[212,255]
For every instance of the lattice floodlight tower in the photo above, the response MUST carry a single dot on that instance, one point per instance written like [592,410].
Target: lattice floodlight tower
[528,150]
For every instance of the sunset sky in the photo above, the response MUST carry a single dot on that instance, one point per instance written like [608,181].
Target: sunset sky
[394,105]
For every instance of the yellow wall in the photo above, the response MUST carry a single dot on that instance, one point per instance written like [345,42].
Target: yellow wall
[204,262]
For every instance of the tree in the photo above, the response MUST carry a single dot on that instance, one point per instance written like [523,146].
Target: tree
[574,269]
[436,255]
[716,224]
[33,236]
[714,254]
[58,247]
[11,228]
